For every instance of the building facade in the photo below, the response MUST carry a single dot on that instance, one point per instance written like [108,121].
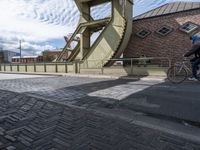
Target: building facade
[27,59]
[164,31]
[6,56]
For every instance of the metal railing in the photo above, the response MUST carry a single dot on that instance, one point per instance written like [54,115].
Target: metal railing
[25,67]
[78,66]
[142,61]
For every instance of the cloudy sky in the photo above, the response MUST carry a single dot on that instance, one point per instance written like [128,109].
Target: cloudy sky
[41,24]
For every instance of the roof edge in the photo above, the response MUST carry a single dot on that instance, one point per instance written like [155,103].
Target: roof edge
[155,16]
[165,14]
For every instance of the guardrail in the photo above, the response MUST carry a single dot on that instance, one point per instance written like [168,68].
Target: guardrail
[54,67]
[94,64]
[126,65]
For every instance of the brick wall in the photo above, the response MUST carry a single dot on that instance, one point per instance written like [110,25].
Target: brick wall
[174,45]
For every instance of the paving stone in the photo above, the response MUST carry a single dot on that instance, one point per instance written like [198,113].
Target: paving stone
[26,138]
[32,131]
[11,148]
[11,138]
[23,141]
[1,133]
[2,129]
[59,141]
[53,148]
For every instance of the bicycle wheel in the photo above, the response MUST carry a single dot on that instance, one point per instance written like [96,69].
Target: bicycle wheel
[176,74]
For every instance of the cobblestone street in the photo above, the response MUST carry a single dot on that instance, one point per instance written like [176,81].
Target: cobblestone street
[54,112]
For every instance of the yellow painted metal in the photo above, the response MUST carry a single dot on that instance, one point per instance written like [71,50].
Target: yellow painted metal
[112,40]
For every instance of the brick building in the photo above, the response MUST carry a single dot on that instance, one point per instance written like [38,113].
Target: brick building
[164,31]
[27,59]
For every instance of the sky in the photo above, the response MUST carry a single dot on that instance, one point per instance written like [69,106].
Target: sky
[41,24]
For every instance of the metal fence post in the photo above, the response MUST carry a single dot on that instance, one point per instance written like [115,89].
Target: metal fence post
[76,67]
[56,69]
[4,67]
[102,67]
[45,67]
[18,67]
[26,70]
[66,69]
[131,66]
[79,67]
[10,67]
[34,67]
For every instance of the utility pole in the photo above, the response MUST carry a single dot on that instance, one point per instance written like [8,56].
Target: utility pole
[20,49]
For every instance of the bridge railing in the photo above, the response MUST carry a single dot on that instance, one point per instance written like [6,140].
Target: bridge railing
[54,67]
[131,62]
[126,65]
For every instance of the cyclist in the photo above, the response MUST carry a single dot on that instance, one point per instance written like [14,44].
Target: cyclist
[196,60]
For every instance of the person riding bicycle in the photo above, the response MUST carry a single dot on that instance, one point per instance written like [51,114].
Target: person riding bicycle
[196,60]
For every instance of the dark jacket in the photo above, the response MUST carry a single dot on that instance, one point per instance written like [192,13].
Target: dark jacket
[195,50]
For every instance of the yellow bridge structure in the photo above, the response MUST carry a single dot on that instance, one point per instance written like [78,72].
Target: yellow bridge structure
[113,39]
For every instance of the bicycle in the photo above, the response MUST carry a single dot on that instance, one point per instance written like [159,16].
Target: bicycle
[179,72]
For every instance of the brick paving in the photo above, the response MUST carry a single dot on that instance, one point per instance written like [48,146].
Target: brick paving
[75,90]
[31,123]
[58,113]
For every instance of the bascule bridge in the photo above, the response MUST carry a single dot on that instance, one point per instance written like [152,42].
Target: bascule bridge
[113,39]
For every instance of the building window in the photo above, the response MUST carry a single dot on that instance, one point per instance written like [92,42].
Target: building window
[188,27]
[164,30]
[143,33]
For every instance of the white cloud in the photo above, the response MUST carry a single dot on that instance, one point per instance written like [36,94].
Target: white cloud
[26,17]
[35,21]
